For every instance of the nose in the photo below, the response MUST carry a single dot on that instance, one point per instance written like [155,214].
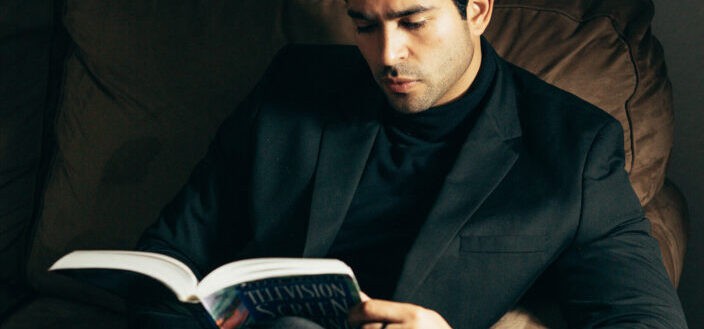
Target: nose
[393,47]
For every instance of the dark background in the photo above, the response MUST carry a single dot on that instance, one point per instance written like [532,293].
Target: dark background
[679,25]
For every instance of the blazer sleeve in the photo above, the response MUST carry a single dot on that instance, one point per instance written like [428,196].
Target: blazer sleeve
[204,224]
[207,220]
[612,276]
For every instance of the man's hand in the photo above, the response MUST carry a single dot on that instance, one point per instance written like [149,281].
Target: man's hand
[376,314]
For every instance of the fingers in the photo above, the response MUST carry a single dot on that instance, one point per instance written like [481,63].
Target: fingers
[383,314]
[375,310]
[363,296]
[375,325]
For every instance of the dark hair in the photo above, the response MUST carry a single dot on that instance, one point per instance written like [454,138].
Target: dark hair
[462,7]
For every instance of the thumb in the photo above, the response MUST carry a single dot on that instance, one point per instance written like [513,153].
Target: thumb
[363,296]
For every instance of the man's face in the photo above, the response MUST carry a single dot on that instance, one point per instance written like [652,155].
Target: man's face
[418,50]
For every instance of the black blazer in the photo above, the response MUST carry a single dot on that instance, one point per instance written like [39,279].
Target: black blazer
[538,193]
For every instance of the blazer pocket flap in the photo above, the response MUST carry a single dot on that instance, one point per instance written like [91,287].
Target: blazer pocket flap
[503,243]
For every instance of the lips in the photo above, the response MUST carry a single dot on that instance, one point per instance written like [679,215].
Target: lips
[399,86]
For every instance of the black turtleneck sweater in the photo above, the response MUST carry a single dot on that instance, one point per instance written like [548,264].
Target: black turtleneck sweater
[411,157]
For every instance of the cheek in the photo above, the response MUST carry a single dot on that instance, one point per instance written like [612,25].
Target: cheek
[431,51]
[434,42]
[449,33]
[446,44]
[368,49]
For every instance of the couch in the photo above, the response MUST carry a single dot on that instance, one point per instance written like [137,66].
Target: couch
[105,106]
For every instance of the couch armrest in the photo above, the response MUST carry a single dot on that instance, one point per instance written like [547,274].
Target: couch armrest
[667,212]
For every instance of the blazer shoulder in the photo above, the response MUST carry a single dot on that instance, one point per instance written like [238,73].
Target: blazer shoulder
[551,109]
[559,130]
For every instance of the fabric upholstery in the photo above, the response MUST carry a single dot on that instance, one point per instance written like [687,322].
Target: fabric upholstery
[145,88]
[25,46]
[147,83]
[666,213]
[317,21]
[519,319]
[620,69]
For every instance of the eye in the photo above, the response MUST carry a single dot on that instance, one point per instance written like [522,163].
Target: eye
[412,25]
[366,28]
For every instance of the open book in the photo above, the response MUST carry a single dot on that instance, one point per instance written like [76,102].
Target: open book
[242,292]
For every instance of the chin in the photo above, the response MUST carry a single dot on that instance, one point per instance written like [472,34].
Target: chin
[403,104]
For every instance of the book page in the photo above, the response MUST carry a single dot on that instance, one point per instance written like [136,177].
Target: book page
[261,268]
[169,271]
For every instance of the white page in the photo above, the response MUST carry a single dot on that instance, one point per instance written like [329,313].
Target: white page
[262,268]
[172,273]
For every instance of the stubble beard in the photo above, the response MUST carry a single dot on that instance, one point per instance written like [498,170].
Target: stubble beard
[408,103]
[428,96]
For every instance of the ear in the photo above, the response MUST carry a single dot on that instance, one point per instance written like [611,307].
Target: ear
[478,15]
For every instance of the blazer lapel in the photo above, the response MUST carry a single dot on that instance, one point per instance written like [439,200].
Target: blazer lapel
[344,150]
[483,161]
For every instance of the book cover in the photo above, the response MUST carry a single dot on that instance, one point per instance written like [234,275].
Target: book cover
[324,299]
[242,292]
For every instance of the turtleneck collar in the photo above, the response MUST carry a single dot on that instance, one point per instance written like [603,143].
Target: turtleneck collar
[437,124]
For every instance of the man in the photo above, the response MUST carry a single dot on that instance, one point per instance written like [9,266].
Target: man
[450,180]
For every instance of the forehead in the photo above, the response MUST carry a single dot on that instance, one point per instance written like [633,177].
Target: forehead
[381,7]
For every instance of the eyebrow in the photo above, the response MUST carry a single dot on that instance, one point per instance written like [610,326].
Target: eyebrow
[390,15]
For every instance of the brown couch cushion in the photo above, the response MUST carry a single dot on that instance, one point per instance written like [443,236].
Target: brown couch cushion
[146,87]
[25,46]
[604,53]
[666,213]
